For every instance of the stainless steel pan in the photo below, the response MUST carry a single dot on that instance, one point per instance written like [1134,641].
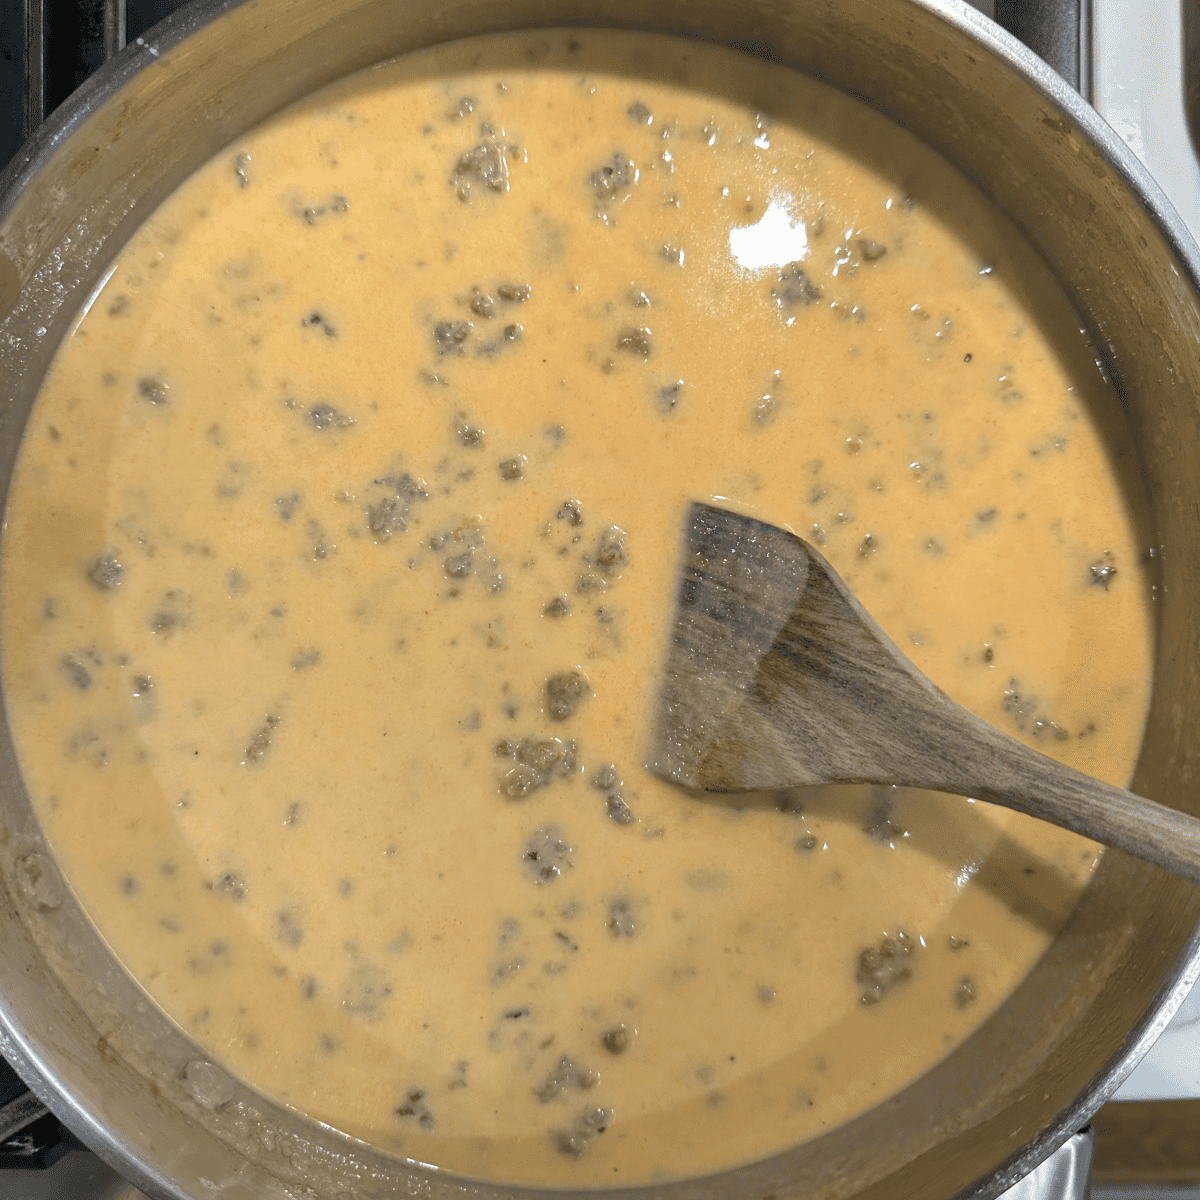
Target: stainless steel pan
[129,1083]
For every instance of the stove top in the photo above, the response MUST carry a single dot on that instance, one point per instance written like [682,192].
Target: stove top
[1132,59]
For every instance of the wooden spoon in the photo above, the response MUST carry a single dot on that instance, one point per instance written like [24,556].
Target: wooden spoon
[777,677]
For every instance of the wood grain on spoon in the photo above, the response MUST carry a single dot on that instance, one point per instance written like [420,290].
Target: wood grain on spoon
[777,677]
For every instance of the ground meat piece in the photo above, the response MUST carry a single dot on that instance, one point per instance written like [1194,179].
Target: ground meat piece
[514,293]
[233,885]
[558,607]
[571,512]
[390,514]
[573,1139]
[289,929]
[880,968]
[482,305]
[458,566]
[387,517]
[606,778]
[287,505]
[614,177]
[617,1040]
[610,552]
[317,320]
[469,435]
[547,854]
[77,673]
[154,390]
[325,416]
[871,250]
[519,782]
[512,468]
[567,1074]
[260,743]
[448,336]
[537,763]
[622,921]
[964,994]
[485,165]
[794,288]
[667,397]
[639,114]
[173,611]
[106,572]
[564,694]
[416,1109]
[617,809]
[635,341]
[1103,572]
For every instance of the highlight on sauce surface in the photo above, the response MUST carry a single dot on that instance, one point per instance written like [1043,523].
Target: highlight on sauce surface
[340,556]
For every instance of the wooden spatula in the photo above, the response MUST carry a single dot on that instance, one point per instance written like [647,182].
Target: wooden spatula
[777,677]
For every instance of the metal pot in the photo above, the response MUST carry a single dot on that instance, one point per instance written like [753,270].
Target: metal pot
[129,1083]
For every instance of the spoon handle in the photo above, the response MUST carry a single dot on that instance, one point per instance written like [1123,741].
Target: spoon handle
[990,766]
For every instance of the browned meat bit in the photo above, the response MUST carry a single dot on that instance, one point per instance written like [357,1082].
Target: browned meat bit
[622,920]
[964,994]
[483,166]
[610,552]
[1103,571]
[956,943]
[458,566]
[173,611]
[617,1040]
[547,854]
[635,341]
[574,1139]
[106,572]
[565,692]
[607,780]
[570,511]
[871,250]
[882,968]
[614,177]
[289,929]
[482,305]
[639,114]
[667,397]
[514,293]
[260,743]
[390,513]
[617,809]
[233,885]
[287,505]
[76,672]
[794,289]
[537,763]
[512,468]
[318,320]
[448,336]
[241,168]
[154,390]
[469,435]
[416,1109]
[325,416]
[567,1074]
[513,333]
[558,607]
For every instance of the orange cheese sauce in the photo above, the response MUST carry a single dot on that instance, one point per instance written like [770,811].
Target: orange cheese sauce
[338,564]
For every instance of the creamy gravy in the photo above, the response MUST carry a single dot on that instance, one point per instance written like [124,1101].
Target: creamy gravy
[388,417]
